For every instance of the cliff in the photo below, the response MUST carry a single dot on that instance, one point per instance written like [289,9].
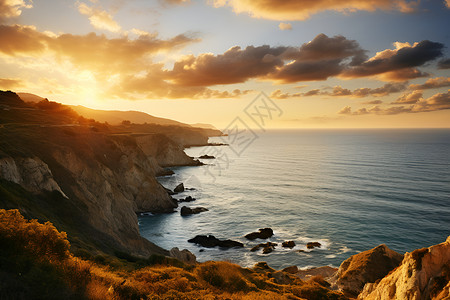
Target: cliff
[423,274]
[107,173]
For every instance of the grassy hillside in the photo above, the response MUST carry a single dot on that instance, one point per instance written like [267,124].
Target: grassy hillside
[36,263]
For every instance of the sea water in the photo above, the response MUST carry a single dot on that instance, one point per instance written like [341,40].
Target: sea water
[349,190]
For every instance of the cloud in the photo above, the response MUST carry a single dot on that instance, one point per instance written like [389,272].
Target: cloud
[432,83]
[285,26]
[12,8]
[444,63]
[100,19]
[9,83]
[21,40]
[398,63]
[338,91]
[440,101]
[302,10]
[409,98]
[375,102]
[236,65]
[319,59]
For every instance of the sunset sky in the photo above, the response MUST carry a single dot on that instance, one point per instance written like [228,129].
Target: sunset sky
[326,64]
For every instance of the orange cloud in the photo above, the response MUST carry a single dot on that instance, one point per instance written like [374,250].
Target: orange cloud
[9,83]
[21,40]
[432,83]
[409,98]
[285,26]
[338,91]
[12,8]
[100,19]
[301,10]
[440,101]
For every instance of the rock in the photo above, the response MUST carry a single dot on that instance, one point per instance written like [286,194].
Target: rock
[263,233]
[281,277]
[262,266]
[288,244]
[267,247]
[184,255]
[364,267]
[187,199]
[210,241]
[312,245]
[179,188]
[423,274]
[206,156]
[186,211]
[301,251]
[291,269]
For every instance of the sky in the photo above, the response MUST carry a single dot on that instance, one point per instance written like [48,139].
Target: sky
[318,63]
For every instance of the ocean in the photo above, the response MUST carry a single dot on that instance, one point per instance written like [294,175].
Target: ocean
[349,190]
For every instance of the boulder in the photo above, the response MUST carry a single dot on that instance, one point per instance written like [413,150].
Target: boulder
[312,245]
[210,241]
[423,274]
[179,188]
[288,244]
[263,233]
[187,199]
[267,247]
[169,192]
[184,255]
[187,211]
[364,267]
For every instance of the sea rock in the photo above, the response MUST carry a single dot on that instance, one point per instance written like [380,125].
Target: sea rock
[206,156]
[364,267]
[184,255]
[267,247]
[423,274]
[263,233]
[179,188]
[210,241]
[187,211]
[187,199]
[288,244]
[312,245]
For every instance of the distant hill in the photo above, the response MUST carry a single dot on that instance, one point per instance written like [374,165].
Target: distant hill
[115,117]
[28,97]
[204,126]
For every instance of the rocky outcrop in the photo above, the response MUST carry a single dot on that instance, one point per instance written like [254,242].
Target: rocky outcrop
[364,267]
[179,188]
[423,274]
[184,255]
[312,245]
[210,241]
[166,152]
[263,233]
[187,211]
[30,172]
[326,272]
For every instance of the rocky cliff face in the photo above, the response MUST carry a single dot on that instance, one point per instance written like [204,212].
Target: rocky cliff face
[367,266]
[108,173]
[423,274]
